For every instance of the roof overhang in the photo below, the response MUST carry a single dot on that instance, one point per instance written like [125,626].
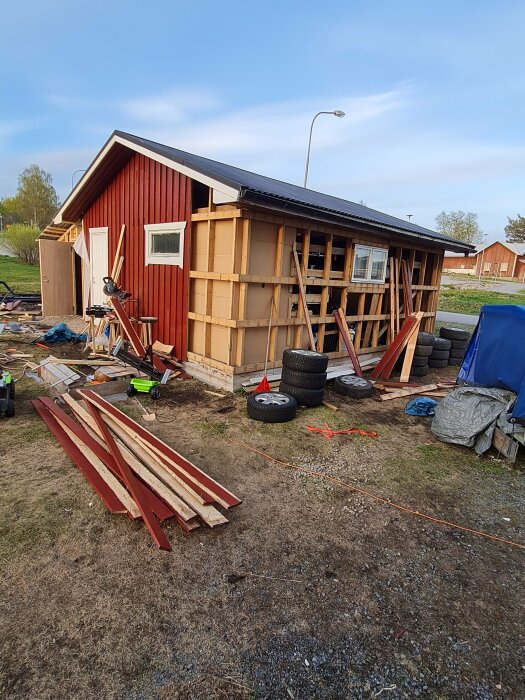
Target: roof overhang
[330,217]
[113,156]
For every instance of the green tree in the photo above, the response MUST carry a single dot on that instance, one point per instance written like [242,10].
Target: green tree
[36,198]
[515,229]
[460,225]
[21,240]
[9,211]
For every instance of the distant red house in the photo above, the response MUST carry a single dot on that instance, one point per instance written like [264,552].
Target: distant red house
[498,259]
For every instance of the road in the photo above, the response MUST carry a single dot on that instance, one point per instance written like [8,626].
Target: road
[487,285]
[463,319]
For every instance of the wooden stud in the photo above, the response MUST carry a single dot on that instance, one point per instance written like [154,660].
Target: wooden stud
[324,294]
[303,301]
[243,288]
[276,297]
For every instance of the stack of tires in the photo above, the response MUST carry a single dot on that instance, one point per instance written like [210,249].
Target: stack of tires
[424,347]
[459,340]
[304,376]
[440,353]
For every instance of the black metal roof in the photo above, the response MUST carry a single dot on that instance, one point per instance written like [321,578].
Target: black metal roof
[258,189]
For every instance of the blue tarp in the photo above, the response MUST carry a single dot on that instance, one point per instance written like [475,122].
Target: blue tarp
[61,334]
[495,356]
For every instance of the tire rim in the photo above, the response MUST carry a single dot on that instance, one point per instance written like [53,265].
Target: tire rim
[272,398]
[353,381]
[308,353]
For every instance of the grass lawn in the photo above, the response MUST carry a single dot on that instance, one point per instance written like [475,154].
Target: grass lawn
[469,301]
[22,277]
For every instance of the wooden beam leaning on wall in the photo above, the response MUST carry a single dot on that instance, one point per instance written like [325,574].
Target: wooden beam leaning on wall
[302,295]
[342,325]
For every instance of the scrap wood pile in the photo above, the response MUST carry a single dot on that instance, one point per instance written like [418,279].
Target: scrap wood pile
[133,471]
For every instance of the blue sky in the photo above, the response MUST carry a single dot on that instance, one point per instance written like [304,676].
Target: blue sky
[434,94]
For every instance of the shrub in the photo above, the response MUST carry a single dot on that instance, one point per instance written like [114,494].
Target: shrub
[21,241]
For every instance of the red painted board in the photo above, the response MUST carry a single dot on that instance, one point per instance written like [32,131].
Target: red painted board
[395,348]
[133,337]
[106,495]
[161,509]
[134,486]
[149,438]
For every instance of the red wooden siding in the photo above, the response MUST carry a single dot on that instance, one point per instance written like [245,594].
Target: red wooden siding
[459,263]
[146,192]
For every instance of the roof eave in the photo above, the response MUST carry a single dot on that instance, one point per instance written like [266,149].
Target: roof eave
[326,216]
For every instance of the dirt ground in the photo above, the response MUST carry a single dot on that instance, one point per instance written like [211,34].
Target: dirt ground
[311,591]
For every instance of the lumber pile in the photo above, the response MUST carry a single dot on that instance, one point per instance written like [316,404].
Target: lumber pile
[131,470]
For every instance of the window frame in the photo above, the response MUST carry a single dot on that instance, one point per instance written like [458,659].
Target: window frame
[368,279]
[151,258]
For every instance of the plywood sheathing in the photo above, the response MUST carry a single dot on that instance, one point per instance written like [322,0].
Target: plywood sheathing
[241,264]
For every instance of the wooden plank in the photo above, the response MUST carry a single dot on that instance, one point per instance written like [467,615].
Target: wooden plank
[134,486]
[396,347]
[410,391]
[90,425]
[303,300]
[324,294]
[105,493]
[396,291]
[243,289]
[117,258]
[359,324]
[159,507]
[221,495]
[505,445]
[111,480]
[391,286]
[347,339]
[409,353]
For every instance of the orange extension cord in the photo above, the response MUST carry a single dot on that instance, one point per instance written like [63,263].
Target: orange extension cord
[385,501]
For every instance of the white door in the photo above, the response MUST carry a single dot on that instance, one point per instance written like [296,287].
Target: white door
[98,258]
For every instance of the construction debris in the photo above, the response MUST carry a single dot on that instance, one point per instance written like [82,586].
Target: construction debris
[131,470]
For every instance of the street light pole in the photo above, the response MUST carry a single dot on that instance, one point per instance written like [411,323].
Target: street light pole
[336,113]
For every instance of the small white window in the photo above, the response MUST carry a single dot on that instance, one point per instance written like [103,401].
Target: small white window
[165,243]
[504,266]
[369,264]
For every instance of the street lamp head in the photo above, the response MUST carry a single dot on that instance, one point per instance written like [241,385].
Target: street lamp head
[339,113]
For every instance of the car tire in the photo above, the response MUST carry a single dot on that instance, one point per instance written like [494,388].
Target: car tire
[305,360]
[271,407]
[353,387]
[304,397]
[437,363]
[456,354]
[440,355]
[10,411]
[419,361]
[454,333]
[442,344]
[131,391]
[459,344]
[423,350]
[419,371]
[303,380]
[425,338]
[12,389]
[455,361]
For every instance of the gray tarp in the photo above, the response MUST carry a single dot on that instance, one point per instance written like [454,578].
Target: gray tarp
[468,415]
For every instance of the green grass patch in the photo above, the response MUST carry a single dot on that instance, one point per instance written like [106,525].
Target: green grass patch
[19,276]
[470,301]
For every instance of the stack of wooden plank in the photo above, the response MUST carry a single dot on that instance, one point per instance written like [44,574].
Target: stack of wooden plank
[400,390]
[132,470]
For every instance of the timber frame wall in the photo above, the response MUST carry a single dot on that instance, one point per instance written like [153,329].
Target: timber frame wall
[241,265]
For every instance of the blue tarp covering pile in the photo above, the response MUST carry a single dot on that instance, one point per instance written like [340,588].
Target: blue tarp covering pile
[495,356]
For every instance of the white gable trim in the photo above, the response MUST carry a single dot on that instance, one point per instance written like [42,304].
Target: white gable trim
[224,193]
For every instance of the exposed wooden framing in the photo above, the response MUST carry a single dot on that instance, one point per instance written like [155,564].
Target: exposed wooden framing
[208,290]
[359,324]
[243,288]
[324,294]
[305,250]
[304,306]
[276,297]
[259,272]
